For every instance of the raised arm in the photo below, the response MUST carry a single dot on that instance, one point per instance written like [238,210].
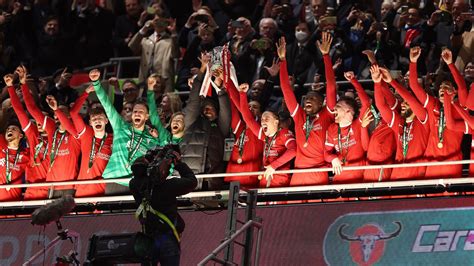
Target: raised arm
[15,102]
[364,98]
[247,115]
[420,93]
[470,98]
[288,94]
[193,104]
[465,115]
[451,122]
[163,133]
[324,47]
[74,112]
[447,56]
[114,117]
[63,119]
[390,99]
[415,105]
[388,115]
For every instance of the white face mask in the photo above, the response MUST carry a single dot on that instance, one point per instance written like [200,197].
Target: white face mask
[301,36]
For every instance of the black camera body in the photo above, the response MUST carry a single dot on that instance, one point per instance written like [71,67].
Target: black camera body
[155,164]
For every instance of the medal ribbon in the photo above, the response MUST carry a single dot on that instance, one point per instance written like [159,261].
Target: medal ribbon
[93,153]
[339,140]
[38,148]
[441,125]
[308,128]
[269,144]
[55,148]
[132,151]
[7,164]
[405,140]
[242,142]
[375,114]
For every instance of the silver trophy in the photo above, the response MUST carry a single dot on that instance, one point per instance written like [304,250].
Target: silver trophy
[216,58]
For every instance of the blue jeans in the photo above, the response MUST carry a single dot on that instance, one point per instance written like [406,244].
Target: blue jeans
[166,249]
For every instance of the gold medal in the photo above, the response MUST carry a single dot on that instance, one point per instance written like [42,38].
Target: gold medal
[260,177]
[440,145]
[239,161]
[305,144]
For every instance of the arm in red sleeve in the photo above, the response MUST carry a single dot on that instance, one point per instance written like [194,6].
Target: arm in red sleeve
[18,108]
[330,83]
[387,113]
[415,105]
[364,98]
[248,117]
[66,122]
[465,115]
[451,122]
[420,93]
[31,105]
[75,116]
[235,122]
[287,156]
[329,154]
[288,93]
[390,99]
[46,122]
[461,83]
[470,98]
[233,93]
[364,135]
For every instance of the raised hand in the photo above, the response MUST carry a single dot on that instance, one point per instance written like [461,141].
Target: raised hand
[281,48]
[8,78]
[325,44]
[22,73]
[244,87]
[349,75]
[274,69]
[415,53]
[90,89]
[52,103]
[447,56]
[205,58]
[94,75]
[370,56]
[376,75]
[172,25]
[151,82]
[386,76]
[367,118]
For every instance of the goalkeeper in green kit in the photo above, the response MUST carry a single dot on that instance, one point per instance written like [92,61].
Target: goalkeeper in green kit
[131,141]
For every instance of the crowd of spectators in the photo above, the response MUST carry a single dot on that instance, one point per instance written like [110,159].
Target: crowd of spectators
[288,56]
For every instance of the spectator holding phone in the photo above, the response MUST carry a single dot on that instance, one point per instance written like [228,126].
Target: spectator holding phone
[157,50]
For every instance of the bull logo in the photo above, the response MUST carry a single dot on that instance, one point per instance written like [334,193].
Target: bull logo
[366,247]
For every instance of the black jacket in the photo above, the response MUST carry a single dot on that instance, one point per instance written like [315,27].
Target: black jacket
[163,198]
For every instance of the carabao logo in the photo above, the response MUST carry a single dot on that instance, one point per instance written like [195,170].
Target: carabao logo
[367,243]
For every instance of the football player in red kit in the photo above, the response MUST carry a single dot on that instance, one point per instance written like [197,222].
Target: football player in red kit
[280,145]
[459,124]
[247,150]
[347,141]
[37,141]
[96,143]
[382,143]
[312,119]
[13,162]
[444,144]
[63,148]
[410,125]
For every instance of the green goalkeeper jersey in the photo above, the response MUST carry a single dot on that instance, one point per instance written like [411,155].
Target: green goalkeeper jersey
[129,143]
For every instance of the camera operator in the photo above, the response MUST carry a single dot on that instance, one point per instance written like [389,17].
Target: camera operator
[156,193]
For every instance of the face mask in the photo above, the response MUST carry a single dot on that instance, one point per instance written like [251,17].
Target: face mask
[301,36]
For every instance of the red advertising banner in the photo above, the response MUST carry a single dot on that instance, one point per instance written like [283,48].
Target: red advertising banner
[293,234]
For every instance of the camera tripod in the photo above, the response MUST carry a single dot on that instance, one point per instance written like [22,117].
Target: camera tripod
[63,234]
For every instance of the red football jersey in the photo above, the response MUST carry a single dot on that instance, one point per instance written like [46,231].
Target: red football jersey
[347,145]
[17,163]
[382,146]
